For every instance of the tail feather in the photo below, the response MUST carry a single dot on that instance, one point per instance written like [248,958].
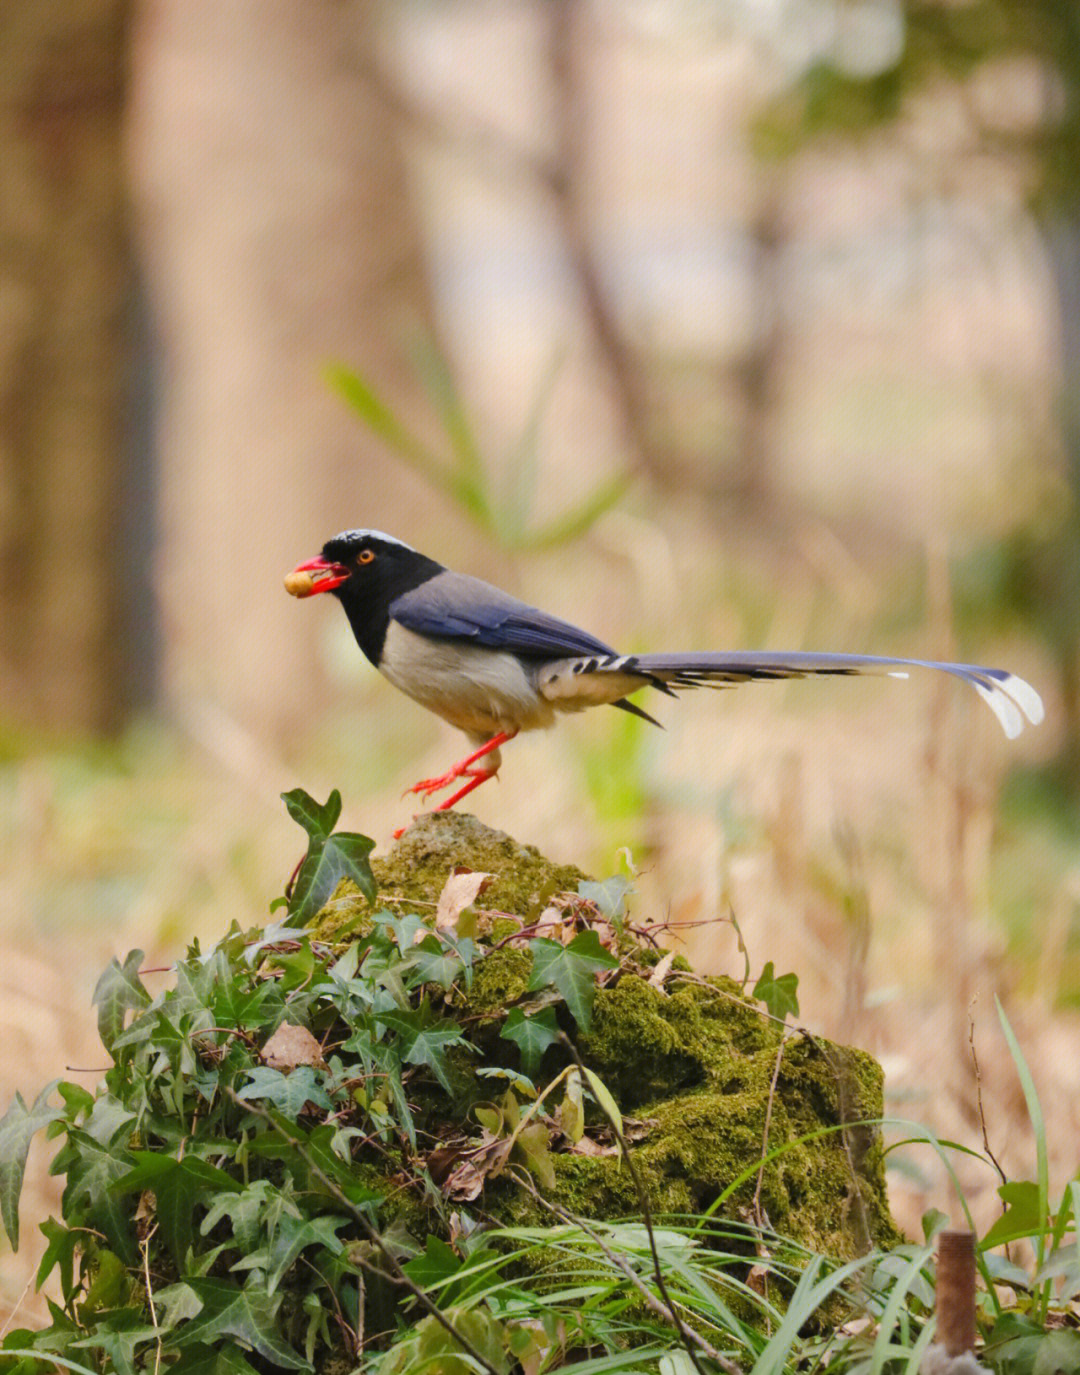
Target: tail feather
[1010,698]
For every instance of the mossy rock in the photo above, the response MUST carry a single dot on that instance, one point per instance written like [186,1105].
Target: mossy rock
[413,874]
[703,1065]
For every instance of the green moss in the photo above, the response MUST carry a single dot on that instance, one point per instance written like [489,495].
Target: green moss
[439,842]
[698,1066]
[413,874]
[499,980]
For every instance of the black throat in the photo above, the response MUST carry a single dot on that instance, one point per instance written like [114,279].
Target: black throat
[367,599]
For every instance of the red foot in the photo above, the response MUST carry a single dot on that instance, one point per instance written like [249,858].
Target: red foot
[462,769]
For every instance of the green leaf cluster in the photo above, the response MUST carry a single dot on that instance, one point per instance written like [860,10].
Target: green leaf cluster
[233,1203]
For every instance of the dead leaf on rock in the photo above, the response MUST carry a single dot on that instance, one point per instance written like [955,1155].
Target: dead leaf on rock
[459,891]
[464,1182]
[549,923]
[291,1046]
[442,1160]
[660,970]
[633,1129]
[587,1146]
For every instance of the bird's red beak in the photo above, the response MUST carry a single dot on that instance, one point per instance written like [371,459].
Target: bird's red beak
[317,575]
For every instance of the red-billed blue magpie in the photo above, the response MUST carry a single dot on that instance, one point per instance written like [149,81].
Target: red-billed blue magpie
[492,665]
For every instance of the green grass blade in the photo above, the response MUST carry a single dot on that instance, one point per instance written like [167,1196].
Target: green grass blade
[894,1308]
[384,424]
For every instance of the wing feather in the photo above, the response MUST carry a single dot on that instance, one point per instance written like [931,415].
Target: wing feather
[454,606]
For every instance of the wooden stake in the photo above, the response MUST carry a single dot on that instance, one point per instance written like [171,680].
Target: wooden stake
[956,1292]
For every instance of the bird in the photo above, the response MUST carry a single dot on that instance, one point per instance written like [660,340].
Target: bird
[493,666]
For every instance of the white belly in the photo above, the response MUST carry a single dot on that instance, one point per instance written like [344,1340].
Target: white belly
[480,691]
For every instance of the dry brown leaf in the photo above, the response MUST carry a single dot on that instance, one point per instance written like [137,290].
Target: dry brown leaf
[464,1182]
[442,1160]
[549,923]
[660,970]
[291,1046]
[459,891]
[587,1146]
[609,937]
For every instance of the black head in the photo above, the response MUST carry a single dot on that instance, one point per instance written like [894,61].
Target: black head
[366,570]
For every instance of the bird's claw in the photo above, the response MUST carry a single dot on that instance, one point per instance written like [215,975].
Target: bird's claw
[427,786]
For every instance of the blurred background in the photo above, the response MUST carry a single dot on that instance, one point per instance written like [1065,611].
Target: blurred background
[703,323]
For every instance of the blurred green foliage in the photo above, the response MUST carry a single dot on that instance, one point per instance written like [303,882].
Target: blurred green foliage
[499,498]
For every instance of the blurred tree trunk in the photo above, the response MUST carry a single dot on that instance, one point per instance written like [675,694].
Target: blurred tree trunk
[279,236]
[1057,583]
[64,358]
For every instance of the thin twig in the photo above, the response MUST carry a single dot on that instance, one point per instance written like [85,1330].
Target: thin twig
[144,1247]
[18,1304]
[760,1222]
[751,1006]
[979,1098]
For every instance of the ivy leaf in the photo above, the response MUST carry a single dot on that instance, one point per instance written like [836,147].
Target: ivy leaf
[222,1359]
[407,930]
[609,896]
[429,1347]
[318,820]
[236,1006]
[533,1146]
[249,1315]
[421,1041]
[433,964]
[513,1078]
[572,1108]
[1022,1216]
[778,993]
[60,1252]
[177,1185]
[92,1168]
[108,1285]
[119,1336]
[292,1236]
[176,1304]
[118,992]
[108,1119]
[290,1092]
[532,1035]
[438,1262]
[328,860]
[571,969]
[243,1209]
[17,1128]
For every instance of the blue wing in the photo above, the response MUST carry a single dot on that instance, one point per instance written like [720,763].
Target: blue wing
[454,606]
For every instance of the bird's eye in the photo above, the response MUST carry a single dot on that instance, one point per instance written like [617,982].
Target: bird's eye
[365,556]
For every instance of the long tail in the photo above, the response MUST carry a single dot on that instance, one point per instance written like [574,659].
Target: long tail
[1010,698]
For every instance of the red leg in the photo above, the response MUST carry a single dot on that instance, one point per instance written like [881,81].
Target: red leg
[463,769]
[477,777]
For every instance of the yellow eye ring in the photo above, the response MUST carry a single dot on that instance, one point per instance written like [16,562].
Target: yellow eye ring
[365,556]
